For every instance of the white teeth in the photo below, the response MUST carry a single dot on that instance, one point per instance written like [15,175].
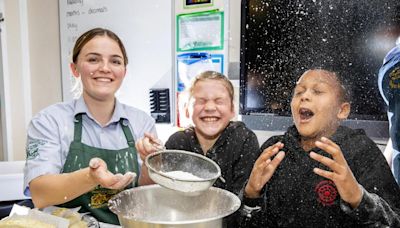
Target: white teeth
[103,79]
[210,119]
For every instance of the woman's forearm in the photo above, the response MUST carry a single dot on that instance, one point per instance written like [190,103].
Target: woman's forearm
[53,189]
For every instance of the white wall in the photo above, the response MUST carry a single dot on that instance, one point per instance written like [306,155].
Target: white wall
[13,77]
[31,66]
[33,70]
[234,31]
[44,46]
[145,29]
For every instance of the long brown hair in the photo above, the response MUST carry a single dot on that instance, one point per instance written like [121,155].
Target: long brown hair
[89,35]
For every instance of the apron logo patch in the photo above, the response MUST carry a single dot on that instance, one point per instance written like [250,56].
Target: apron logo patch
[394,82]
[33,148]
[101,196]
[326,191]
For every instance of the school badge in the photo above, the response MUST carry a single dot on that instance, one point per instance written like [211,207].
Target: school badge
[326,192]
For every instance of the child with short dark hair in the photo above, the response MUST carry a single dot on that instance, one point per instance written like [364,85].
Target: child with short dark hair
[320,174]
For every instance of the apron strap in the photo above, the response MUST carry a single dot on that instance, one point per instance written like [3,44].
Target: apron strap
[78,127]
[128,133]
[131,144]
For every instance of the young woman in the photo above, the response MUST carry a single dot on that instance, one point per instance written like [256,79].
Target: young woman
[82,152]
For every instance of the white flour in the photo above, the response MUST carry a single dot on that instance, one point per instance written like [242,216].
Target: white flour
[181,175]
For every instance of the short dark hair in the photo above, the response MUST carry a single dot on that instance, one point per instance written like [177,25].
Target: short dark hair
[344,86]
[89,35]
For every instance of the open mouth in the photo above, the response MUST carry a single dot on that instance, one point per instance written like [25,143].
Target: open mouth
[305,114]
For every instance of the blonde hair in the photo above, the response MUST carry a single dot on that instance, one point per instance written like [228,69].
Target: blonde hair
[213,75]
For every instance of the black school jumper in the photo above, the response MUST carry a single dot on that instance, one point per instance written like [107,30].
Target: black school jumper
[297,197]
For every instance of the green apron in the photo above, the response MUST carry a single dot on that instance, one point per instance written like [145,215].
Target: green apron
[118,161]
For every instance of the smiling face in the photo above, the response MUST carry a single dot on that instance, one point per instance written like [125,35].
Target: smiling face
[317,106]
[101,66]
[210,108]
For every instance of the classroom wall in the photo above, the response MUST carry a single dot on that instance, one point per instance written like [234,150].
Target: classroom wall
[234,33]
[44,43]
[34,70]
[13,70]
[32,67]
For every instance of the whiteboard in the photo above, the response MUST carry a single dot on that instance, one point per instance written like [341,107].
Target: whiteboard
[145,29]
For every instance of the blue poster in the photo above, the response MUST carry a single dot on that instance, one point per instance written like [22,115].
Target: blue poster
[191,64]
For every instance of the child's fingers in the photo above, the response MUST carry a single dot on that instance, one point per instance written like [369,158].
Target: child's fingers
[329,142]
[323,173]
[276,161]
[270,165]
[326,147]
[263,171]
[330,163]
[271,151]
[260,165]
[264,161]
[267,169]
[331,148]
[265,158]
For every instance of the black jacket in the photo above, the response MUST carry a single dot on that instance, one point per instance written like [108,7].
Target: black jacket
[297,197]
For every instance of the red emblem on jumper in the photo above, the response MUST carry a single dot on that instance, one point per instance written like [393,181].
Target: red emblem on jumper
[326,191]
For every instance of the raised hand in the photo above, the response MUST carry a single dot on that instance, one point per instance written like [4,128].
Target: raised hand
[263,169]
[340,173]
[101,175]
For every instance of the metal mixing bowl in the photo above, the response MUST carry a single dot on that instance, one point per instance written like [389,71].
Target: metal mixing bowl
[161,163]
[153,206]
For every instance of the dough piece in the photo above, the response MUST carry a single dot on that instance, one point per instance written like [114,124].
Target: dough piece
[21,222]
[75,219]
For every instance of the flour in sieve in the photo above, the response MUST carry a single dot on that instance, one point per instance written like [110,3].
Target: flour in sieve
[181,175]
